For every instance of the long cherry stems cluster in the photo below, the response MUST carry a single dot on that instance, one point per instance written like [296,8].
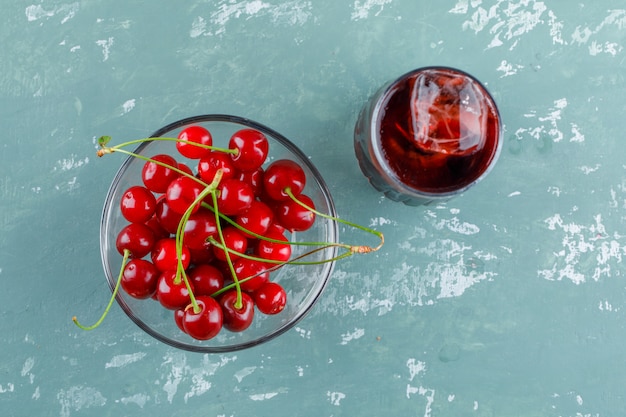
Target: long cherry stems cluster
[212,190]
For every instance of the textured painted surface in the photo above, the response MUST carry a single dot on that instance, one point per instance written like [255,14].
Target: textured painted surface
[506,301]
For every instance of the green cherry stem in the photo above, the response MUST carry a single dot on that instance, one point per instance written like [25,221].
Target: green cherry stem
[296,260]
[269,239]
[239,301]
[163,164]
[353,249]
[104,140]
[180,233]
[108,307]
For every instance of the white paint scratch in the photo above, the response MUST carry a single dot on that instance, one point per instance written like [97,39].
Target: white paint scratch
[121,361]
[241,374]
[138,399]
[548,125]
[415,368]
[585,35]
[263,397]
[457,226]
[37,12]
[290,13]
[506,21]
[507,69]
[128,105]
[71,162]
[195,379]
[350,336]
[79,397]
[335,397]
[8,387]
[362,9]
[588,170]
[450,268]
[105,44]
[305,334]
[583,248]
[28,366]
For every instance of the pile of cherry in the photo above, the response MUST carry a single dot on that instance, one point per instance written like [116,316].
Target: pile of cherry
[208,257]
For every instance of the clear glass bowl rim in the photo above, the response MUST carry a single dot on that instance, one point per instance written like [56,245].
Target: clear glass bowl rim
[291,147]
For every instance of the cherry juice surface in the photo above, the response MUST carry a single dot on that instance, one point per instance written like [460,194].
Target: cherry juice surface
[438,130]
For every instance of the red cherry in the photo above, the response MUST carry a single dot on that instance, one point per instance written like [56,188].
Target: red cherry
[254,178]
[206,323]
[168,218]
[201,256]
[253,273]
[236,319]
[178,318]
[157,177]
[293,216]
[208,166]
[206,279]
[256,219]
[181,194]
[274,251]
[234,240]
[234,196]
[280,175]
[275,228]
[185,168]
[252,147]
[164,255]
[270,298]
[139,278]
[157,229]
[172,293]
[196,134]
[200,226]
[136,238]
[137,204]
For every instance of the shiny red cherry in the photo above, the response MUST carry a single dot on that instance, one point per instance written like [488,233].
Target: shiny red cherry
[171,292]
[137,238]
[137,204]
[194,134]
[293,216]
[139,278]
[205,323]
[206,279]
[236,319]
[282,174]
[270,298]
[157,175]
[165,257]
[252,149]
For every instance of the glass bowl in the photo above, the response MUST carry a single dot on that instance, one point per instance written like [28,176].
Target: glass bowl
[303,283]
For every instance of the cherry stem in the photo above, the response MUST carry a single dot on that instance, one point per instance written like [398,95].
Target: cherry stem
[115,290]
[239,301]
[104,140]
[163,164]
[180,233]
[293,261]
[353,249]
[269,239]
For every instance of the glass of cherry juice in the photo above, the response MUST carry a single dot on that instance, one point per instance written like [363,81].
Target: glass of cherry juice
[428,136]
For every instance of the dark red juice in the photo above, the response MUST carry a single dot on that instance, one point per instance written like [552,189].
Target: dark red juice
[438,130]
